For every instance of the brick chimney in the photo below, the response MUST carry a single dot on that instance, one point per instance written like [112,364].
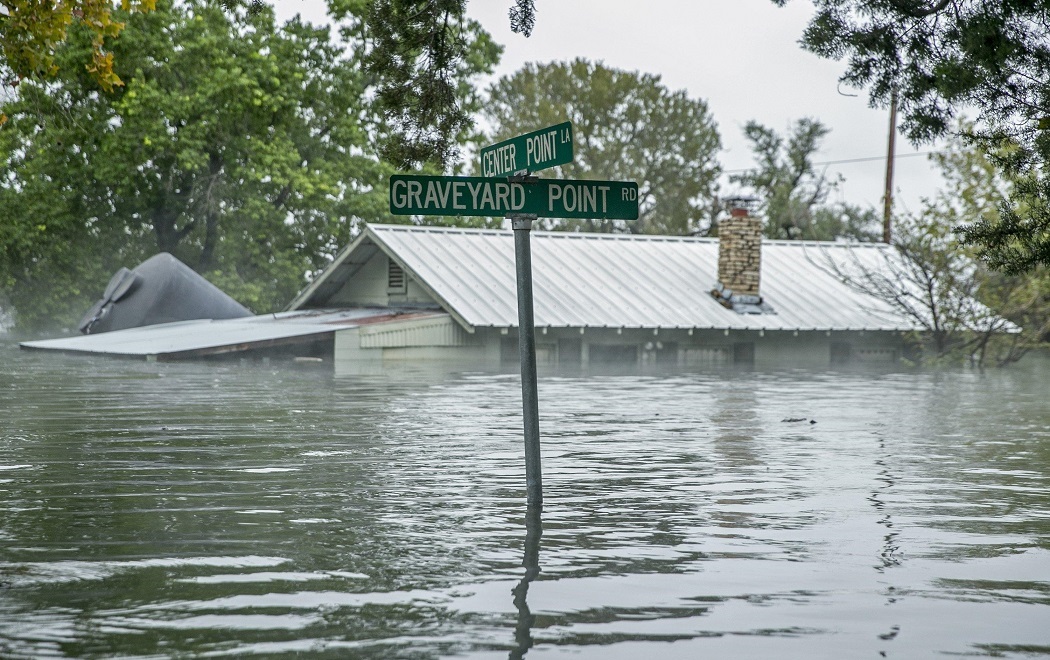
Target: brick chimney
[739,254]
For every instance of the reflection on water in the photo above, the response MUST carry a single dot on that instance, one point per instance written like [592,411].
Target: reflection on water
[151,510]
[531,562]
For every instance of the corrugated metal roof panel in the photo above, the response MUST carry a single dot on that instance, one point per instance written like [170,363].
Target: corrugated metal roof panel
[615,280]
[209,337]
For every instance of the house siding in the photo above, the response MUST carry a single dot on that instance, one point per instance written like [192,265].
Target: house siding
[368,349]
[441,341]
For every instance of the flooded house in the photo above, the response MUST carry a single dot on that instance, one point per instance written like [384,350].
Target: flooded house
[609,298]
[406,294]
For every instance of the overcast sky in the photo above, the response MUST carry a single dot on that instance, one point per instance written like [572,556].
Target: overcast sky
[741,56]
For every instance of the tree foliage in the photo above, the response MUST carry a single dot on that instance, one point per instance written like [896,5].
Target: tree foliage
[627,126]
[975,192]
[31,31]
[421,51]
[792,192]
[245,148]
[942,57]
[523,16]
[1017,239]
[968,311]
[239,146]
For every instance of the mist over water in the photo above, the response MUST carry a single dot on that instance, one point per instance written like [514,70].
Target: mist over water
[220,510]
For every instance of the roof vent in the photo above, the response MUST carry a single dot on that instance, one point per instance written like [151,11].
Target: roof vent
[396,282]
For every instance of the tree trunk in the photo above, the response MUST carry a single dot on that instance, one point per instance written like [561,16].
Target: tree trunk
[163,220]
[211,215]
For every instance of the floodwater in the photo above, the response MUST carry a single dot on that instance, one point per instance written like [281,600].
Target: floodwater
[201,510]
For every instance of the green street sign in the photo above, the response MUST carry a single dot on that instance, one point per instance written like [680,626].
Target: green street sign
[531,152]
[494,197]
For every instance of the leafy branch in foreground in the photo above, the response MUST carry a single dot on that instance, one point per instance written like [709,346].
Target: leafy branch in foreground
[1018,239]
[941,57]
[30,32]
[420,53]
[966,309]
[523,17]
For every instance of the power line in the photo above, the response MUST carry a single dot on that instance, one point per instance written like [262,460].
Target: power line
[862,160]
[848,160]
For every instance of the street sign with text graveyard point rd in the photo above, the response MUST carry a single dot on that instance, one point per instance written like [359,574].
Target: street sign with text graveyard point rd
[502,197]
[530,152]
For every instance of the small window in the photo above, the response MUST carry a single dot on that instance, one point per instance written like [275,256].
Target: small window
[744,353]
[613,353]
[703,357]
[508,350]
[883,355]
[396,281]
[569,351]
[841,352]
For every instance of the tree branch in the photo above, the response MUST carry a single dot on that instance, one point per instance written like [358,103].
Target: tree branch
[906,8]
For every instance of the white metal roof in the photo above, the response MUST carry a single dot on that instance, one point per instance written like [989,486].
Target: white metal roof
[617,280]
[212,337]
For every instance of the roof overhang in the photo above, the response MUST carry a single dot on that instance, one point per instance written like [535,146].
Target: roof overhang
[204,338]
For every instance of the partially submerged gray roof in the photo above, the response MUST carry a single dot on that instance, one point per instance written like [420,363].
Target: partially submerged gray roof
[618,280]
[213,337]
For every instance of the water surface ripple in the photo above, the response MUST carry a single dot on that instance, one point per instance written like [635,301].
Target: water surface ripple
[221,510]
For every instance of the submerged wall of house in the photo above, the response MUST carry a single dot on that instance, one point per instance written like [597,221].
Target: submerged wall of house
[442,340]
[699,349]
[435,340]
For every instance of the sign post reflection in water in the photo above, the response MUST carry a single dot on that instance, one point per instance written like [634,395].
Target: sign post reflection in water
[531,562]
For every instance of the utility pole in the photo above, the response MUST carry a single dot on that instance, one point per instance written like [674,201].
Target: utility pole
[887,212]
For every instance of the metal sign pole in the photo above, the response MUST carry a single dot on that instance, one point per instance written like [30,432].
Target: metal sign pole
[527,349]
[521,198]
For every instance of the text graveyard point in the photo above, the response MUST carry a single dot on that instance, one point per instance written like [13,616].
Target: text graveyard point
[501,197]
[530,152]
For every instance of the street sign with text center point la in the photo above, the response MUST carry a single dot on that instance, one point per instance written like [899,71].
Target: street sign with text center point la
[500,196]
[530,152]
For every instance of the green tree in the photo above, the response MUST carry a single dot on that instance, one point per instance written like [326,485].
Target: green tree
[30,33]
[941,57]
[242,147]
[792,193]
[1017,239]
[968,311]
[229,146]
[975,192]
[627,126]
